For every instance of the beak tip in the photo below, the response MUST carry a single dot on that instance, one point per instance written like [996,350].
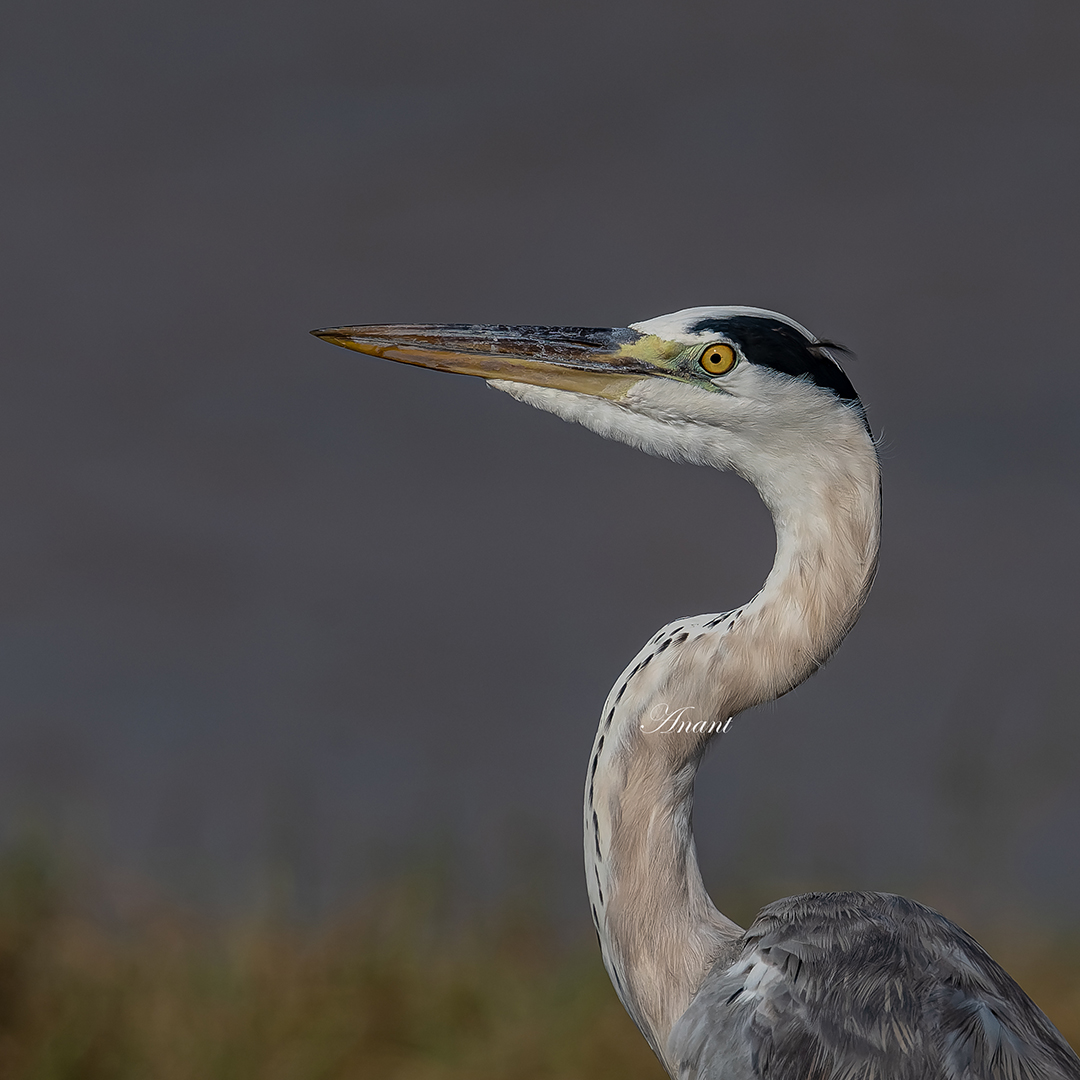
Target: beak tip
[333,334]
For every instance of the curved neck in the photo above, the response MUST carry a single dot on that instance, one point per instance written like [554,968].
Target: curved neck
[659,932]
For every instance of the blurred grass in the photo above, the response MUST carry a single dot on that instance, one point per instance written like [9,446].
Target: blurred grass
[401,990]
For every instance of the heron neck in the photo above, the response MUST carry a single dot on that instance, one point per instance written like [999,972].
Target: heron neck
[659,931]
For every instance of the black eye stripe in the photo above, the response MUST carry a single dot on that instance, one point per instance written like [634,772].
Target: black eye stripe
[774,344]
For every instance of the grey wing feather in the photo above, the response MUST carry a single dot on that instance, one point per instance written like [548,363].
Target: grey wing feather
[863,986]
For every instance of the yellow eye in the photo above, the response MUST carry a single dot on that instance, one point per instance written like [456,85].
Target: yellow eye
[718,359]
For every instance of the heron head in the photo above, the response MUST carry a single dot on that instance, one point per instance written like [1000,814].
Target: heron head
[708,384]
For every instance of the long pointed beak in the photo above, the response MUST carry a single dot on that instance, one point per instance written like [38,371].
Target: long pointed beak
[600,362]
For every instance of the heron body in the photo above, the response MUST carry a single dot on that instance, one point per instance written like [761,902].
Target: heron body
[836,985]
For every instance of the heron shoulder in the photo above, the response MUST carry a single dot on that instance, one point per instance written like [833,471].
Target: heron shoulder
[863,985]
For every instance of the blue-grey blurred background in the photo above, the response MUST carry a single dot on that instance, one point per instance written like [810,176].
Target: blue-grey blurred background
[277,619]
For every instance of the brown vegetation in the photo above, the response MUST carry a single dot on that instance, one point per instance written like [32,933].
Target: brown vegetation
[392,993]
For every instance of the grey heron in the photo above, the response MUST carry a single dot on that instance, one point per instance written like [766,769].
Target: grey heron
[825,985]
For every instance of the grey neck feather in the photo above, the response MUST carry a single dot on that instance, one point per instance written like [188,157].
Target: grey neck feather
[659,932]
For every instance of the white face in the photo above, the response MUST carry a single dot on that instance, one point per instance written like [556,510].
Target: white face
[741,389]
